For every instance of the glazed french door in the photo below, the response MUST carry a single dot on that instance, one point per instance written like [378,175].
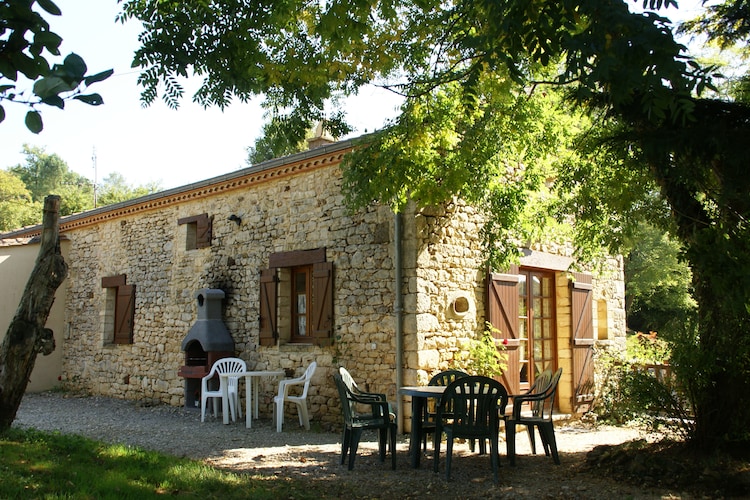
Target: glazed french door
[536,325]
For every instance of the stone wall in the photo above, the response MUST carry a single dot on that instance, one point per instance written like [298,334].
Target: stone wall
[445,262]
[297,212]
[284,208]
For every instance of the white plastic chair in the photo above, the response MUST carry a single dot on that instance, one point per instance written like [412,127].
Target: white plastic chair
[224,365]
[300,401]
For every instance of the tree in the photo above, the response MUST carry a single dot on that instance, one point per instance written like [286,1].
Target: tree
[45,174]
[16,207]
[27,335]
[115,189]
[27,42]
[653,132]
[657,283]
[274,142]
[242,49]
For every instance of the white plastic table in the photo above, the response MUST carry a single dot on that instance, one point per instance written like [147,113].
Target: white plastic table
[251,387]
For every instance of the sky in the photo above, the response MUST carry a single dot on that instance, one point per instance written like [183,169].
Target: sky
[155,144]
[145,145]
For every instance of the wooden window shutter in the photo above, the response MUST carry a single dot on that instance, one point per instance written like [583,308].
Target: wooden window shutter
[124,314]
[322,303]
[583,341]
[204,226]
[114,281]
[502,313]
[268,312]
[297,258]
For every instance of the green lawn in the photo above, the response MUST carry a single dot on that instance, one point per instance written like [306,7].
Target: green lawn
[45,465]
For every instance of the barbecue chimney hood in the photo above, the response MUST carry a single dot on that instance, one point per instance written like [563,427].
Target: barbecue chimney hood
[209,330]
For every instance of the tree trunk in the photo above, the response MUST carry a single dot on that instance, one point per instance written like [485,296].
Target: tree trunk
[701,168]
[27,335]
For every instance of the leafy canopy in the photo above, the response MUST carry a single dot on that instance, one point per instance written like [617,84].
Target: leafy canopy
[474,74]
[16,207]
[298,55]
[26,45]
[275,141]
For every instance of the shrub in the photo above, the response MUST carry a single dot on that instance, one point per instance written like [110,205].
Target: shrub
[484,356]
[647,349]
[641,388]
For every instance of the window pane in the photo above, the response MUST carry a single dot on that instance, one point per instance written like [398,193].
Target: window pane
[536,288]
[548,349]
[300,301]
[547,308]
[522,332]
[537,307]
[546,329]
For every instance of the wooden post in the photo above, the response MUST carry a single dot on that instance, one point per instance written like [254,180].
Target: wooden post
[27,335]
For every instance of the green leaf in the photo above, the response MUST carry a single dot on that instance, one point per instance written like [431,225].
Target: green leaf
[5,88]
[92,99]
[2,113]
[75,66]
[50,7]
[7,70]
[34,121]
[51,41]
[98,77]
[50,86]
[54,100]
[29,66]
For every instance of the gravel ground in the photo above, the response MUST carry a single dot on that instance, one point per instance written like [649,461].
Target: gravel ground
[314,456]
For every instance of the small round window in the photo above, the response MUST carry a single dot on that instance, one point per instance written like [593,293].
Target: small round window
[461,305]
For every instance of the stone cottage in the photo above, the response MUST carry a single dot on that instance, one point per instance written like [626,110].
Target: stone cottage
[393,298]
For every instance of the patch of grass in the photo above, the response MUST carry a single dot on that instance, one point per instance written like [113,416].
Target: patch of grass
[36,464]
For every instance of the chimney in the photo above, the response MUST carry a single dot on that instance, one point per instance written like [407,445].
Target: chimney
[320,138]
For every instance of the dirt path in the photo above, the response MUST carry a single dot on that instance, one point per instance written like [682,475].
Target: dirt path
[314,456]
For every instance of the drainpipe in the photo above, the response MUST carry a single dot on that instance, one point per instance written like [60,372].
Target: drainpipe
[399,312]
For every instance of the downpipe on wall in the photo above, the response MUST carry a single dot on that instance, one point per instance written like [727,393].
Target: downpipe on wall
[399,314]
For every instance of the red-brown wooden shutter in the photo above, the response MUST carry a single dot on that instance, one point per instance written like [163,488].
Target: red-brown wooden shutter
[114,281]
[203,229]
[124,314]
[203,226]
[268,312]
[322,303]
[502,313]
[583,341]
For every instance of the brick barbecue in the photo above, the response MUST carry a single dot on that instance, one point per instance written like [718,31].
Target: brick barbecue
[207,341]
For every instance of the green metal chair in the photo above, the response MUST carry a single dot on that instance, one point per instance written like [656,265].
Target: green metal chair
[541,399]
[347,378]
[380,418]
[469,409]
